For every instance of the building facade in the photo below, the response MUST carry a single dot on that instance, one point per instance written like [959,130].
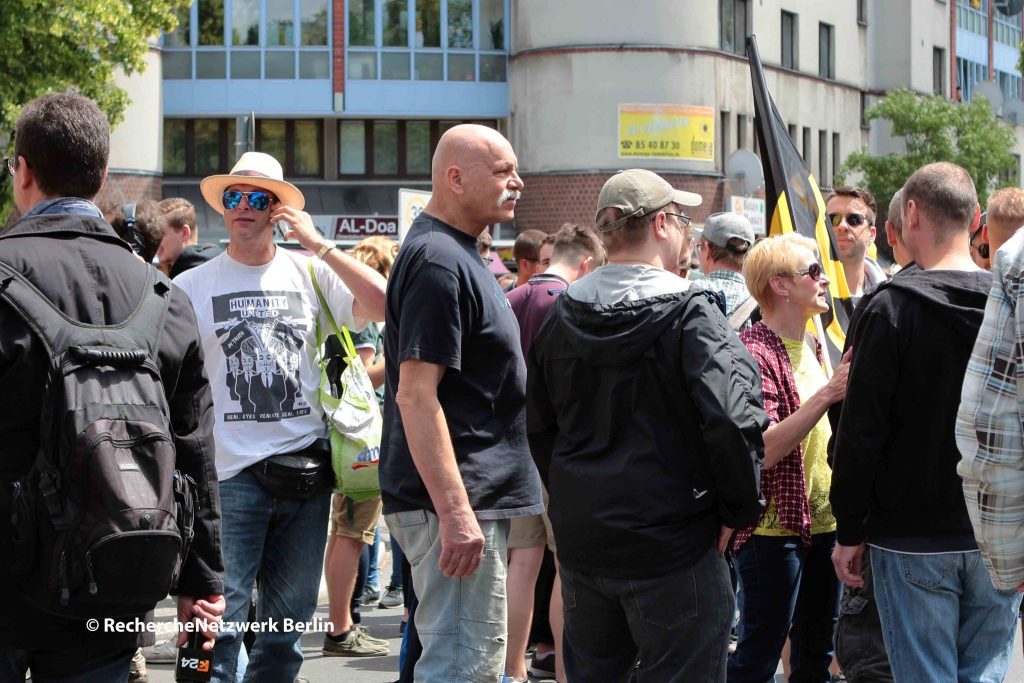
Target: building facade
[352,95]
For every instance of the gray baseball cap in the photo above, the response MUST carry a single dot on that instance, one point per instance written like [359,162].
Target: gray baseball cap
[637,192]
[719,228]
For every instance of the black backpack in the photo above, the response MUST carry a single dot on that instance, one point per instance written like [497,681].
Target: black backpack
[102,522]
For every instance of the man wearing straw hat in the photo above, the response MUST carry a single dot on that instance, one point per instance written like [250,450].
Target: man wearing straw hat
[256,308]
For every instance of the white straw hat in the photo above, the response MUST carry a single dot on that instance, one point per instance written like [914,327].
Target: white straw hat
[252,168]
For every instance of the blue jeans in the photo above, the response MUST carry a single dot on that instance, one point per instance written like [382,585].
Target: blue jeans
[786,589]
[283,542]
[51,667]
[678,624]
[941,617]
[372,552]
[461,622]
[397,558]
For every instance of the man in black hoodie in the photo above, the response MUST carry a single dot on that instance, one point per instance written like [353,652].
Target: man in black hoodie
[645,419]
[895,485]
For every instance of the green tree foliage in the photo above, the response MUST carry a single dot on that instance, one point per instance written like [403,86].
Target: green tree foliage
[935,129]
[57,45]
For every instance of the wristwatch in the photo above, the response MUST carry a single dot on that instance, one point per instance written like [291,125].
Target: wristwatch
[324,249]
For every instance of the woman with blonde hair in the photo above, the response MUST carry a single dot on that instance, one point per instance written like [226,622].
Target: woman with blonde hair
[788,584]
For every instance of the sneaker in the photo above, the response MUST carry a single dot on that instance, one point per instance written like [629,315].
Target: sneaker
[137,673]
[393,597]
[358,643]
[368,637]
[543,666]
[164,652]
[370,596]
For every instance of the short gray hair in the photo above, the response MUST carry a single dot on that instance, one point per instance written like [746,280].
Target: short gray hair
[895,215]
[944,192]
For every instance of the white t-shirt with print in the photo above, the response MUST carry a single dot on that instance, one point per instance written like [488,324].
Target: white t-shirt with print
[258,326]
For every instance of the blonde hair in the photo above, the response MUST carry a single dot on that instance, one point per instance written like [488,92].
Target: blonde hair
[378,252]
[770,257]
[1006,207]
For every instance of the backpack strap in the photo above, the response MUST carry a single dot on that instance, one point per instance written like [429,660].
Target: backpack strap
[133,341]
[340,331]
[742,313]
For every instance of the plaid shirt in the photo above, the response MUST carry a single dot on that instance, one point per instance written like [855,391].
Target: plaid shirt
[731,285]
[784,483]
[988,425]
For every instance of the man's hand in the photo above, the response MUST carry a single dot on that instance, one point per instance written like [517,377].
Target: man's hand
[462,544]
[210,609]
[847,561]
[300,227]
[724,536]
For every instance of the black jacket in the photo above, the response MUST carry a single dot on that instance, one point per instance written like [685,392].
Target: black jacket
[80,264]
[894,474]
[645,419]
[192,256]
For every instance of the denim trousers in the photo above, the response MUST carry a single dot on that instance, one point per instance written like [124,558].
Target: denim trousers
[786,589]
[282,541]
[942,618]
[461,622]
[51,667]
[677,624]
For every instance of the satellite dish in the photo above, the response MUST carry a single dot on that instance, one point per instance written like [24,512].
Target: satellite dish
[1009,7]
[991,92]
[743,170]
[1013,111]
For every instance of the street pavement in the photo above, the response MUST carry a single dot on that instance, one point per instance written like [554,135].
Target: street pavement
[383,623]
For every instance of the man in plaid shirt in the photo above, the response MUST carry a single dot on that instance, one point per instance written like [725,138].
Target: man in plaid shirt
[989,433]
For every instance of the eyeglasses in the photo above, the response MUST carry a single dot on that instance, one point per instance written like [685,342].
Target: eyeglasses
[11,162]
[683,218]
[487,259]
[812,271]
[854,220]
[258,201]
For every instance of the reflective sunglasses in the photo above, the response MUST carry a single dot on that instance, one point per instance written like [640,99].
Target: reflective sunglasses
[854,220]
[813,271]
[258,201]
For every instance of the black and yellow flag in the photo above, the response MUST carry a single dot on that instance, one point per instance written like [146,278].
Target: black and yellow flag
[793,203]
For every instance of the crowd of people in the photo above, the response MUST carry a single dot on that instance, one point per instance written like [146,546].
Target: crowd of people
[711,493]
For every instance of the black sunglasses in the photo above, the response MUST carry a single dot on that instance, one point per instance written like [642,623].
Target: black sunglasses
[813,271]
[854,220]
[258,201]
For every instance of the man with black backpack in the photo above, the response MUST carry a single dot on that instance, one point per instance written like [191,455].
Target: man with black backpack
[105,419]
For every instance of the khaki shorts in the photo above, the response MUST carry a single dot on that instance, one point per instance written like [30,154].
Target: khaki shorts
[533,531]
[360,523]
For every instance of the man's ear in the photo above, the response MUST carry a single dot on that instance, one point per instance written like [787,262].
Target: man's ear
[453,176]
[186,231]
[660,225]
[586,265]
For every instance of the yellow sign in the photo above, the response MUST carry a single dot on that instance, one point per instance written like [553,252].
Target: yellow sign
[666,131]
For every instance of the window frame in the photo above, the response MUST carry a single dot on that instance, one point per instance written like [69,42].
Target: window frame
[794,40]
[826,50]
[435,132]
[288,163]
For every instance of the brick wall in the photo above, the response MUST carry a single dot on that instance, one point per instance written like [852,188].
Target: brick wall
[121,189]
[551,200]
[338,41]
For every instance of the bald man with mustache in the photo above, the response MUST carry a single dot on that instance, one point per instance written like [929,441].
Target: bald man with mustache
[455,465]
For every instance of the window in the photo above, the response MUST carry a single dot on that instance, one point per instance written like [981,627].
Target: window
[862,12]
[836,163]
[258,39]
[823,175]
[296,143]
[826,51]
[938,70]
[734,24]
[969,74]
[807,150]
[790,49]
[741,131]
[972,19]
[390,148]
[792,133]
[1011,176]
[724,136]
[864,110]
[197,147]
[428,40]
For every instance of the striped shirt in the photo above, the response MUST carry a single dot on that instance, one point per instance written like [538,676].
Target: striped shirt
[988,426]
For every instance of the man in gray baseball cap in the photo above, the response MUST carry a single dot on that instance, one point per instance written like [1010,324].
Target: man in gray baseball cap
[644,418]
[721,248]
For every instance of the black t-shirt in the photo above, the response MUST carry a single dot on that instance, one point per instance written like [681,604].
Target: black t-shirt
[445,307]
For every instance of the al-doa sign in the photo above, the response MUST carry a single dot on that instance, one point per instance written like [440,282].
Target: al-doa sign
[666,131]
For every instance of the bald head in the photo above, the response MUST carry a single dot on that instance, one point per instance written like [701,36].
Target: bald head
[474,178]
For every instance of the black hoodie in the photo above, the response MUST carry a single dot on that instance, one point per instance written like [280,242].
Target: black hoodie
[894,481]
[645,418]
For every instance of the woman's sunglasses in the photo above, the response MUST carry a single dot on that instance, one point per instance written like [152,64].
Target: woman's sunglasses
[258,201]
[812,271]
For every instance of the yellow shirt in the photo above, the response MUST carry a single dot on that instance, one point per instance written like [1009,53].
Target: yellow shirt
[810,377]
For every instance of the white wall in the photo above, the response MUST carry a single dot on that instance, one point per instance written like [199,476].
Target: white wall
[137,142]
